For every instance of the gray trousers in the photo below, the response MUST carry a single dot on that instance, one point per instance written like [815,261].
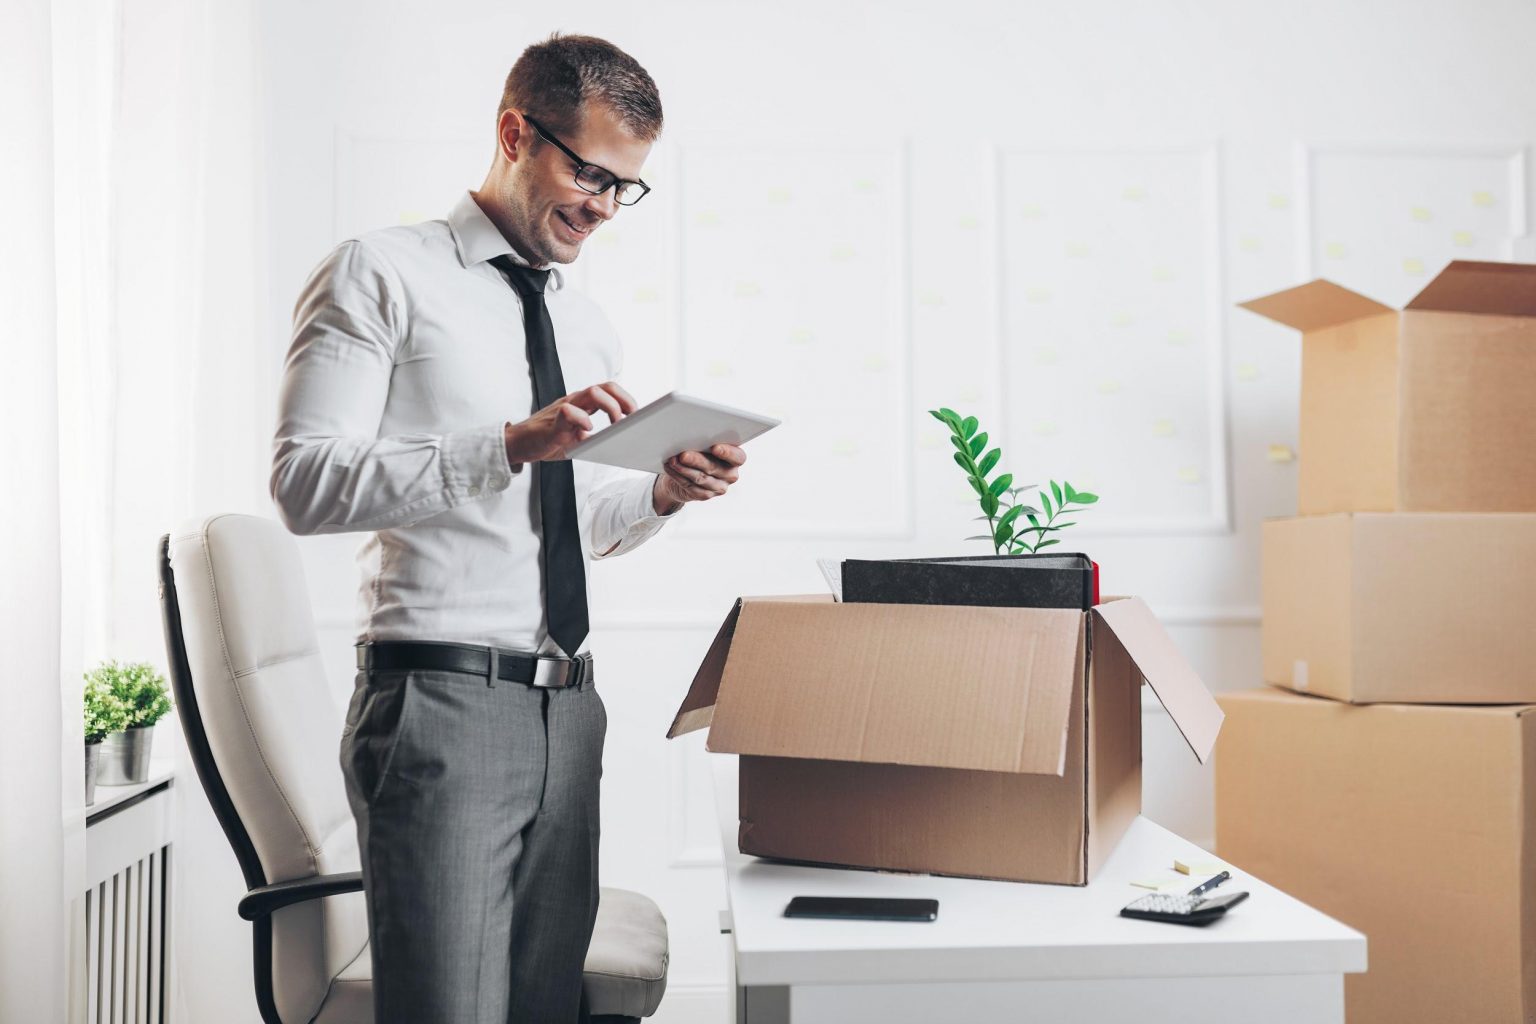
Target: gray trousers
[477,820]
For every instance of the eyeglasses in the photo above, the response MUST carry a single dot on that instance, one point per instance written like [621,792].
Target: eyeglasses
[592,178]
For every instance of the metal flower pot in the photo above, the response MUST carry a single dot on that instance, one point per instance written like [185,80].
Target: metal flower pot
[125,756]
[92,758]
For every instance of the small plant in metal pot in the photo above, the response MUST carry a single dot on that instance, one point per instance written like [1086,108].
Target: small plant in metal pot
[1013,526]
[105,715]
[145,697]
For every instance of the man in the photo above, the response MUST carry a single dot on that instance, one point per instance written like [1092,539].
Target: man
[473,745]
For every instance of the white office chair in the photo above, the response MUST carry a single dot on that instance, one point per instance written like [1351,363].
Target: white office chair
[264,735]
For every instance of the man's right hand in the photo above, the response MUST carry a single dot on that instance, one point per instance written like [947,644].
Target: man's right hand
[563,423]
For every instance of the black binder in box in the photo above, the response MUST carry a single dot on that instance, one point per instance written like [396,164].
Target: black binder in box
[999,581]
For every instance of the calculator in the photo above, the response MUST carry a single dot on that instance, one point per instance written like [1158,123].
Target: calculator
[1182,909]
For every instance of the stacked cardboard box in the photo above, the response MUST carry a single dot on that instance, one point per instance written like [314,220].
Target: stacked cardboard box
[1390,779]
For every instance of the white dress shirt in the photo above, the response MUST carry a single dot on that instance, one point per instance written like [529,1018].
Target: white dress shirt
[408,359]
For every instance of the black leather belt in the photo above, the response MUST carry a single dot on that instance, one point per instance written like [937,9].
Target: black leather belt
[490,663]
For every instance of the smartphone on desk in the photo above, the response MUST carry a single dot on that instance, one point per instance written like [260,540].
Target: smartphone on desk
[863,908]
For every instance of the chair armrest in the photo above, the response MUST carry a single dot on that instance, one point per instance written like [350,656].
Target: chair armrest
[265,900]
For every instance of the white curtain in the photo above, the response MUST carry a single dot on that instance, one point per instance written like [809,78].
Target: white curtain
[38,778]
[138,394]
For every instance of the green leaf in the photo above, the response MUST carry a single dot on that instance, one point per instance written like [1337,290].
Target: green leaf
[989,504]
[1029,509]
[937,415]
[988,462]
[981,536]
[977,444]
[1032,520]
[1046,543]
[968,426]
[975,485]
[1012,514]
[1067,487]
[960,446]
[1060,526]
[1045,502]
[963,462]
[1084,498]
[998,486]
[1003,534]
[949,416]
[1056,490]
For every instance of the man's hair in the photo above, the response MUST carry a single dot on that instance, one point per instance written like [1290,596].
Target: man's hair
[555,81]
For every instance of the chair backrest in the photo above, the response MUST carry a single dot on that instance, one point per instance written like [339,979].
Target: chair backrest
[264,731]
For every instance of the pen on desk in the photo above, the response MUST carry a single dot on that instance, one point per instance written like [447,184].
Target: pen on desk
[1210,883]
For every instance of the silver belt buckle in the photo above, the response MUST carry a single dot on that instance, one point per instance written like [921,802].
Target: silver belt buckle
[555,673]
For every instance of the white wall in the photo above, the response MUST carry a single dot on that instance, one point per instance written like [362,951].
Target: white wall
[1038,213]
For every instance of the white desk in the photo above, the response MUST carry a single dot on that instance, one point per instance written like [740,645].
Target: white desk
[1008,951]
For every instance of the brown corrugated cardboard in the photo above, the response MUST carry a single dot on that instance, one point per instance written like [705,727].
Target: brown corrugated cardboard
[1422,410]
[959,740]
[1407,607]
[1413,824]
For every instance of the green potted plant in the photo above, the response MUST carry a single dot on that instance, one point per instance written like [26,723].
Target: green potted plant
[999,500]
[105,714]
[143,693]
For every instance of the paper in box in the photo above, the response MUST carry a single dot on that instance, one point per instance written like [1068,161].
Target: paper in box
[1409,607]
[986,742]
[1414,824]
[1426,409]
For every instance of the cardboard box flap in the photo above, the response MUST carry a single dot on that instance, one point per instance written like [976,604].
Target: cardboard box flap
[698,706]
[1315,305]
[1171,677]
[1469,286]
[945,686]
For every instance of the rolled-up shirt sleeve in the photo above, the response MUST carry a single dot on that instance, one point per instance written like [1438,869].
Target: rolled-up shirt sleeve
[331,472]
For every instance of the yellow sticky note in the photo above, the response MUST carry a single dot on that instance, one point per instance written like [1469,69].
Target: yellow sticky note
[718,368]
[1163,275]
[1335,251]
[1134,193]
[1413,265]
[646,294]
[748,289]
[1482,198]
[875,362]
[1281,453]
[1109,387]
[1046,356]
[842,253]
[969,222]
[1179,337]
[706,218]
[1031,211]
[1249,243]
[865,185]
[1163,428]
[779,195]
[1078,250]
[800,335]
[1421,214]
[1462,238]
[1202,869]
[1037,294]
[1247,371]
[1278,201]
[1121,318]
[1188,475]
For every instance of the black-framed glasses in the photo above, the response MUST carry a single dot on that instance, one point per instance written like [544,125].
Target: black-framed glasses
[592,178]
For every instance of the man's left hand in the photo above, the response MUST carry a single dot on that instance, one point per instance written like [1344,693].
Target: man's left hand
[697,476]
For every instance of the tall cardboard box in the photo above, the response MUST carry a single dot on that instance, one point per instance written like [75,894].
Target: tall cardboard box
[1410,607]
[1413,824]
[986,742]
[1427,409]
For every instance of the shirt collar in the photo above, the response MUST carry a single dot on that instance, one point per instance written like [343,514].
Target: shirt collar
[478,239]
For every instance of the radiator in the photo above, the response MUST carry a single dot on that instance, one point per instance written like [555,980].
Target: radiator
[120,970]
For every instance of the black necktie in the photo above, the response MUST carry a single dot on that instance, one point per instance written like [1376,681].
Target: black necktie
[565,579]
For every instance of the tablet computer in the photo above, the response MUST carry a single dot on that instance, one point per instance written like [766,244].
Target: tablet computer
[675,422]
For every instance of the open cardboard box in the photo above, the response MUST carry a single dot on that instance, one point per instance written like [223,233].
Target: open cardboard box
[986,742]
[1427,409]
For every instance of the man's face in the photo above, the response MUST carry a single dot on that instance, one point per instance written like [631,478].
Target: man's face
[550,213]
